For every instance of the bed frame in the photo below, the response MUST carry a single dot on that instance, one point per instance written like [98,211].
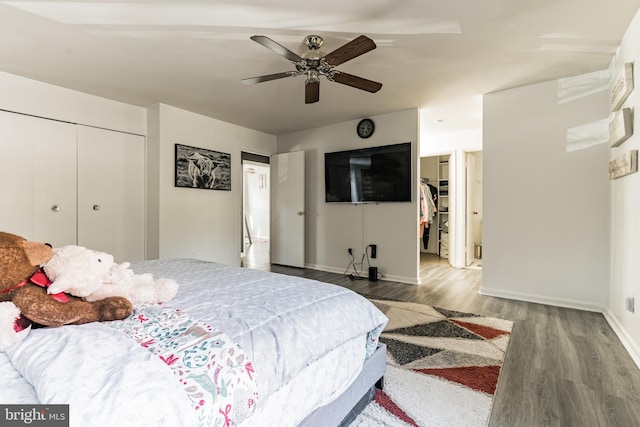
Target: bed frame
[349,404]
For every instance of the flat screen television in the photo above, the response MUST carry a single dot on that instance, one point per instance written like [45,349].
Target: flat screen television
[374,174]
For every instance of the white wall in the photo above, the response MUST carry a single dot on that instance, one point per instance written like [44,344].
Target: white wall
[625,211]
[22,95]
[332,228]
[432,144]
[195,223]
[546,213]
[153,182]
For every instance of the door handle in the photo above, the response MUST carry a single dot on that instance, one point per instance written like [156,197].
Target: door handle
[300,213]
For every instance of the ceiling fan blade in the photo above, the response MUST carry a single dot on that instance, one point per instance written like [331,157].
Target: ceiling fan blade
[311,92]
[277,48]
[355,47]
[268,77]
[357,82]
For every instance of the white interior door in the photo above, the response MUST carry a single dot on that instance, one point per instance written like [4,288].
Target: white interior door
[469,223]
[287,209]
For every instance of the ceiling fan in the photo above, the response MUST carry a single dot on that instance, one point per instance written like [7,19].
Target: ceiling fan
[314,64]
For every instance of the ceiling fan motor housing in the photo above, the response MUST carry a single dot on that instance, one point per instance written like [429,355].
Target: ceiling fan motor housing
[313,42]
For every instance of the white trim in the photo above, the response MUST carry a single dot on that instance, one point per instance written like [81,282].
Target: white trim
[401,279]
[625,338]
[539,299]
[325,268]
[365,274]
[627,341]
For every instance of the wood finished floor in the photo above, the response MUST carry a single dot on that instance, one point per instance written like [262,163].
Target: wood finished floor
[563,367]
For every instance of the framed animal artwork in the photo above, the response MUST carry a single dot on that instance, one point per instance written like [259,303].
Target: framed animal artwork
[202,168]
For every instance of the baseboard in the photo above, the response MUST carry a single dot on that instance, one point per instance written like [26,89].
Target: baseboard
[326,268]
[625,338]
[628,342]
[539,299]
[402,279]
[390,278]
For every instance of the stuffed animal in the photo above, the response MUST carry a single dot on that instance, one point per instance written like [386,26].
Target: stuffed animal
[94,276]
[24,297]
[137,288]
[76,270]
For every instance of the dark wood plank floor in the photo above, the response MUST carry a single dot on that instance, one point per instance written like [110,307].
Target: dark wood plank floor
[563,367]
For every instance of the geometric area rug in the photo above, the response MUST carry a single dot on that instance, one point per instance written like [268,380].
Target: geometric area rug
[442,367]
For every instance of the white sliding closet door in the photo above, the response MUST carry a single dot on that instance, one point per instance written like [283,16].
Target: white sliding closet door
[111,172]
[38,178]
[55,183]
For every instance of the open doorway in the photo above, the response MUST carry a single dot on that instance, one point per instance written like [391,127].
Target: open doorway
[255,211]
[455,234]
[434,201]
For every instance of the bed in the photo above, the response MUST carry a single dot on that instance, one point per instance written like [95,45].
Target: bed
[235,347]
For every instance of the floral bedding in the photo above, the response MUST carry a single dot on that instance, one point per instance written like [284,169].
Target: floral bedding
[214,372]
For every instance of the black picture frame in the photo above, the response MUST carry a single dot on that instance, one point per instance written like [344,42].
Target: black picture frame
[201,168]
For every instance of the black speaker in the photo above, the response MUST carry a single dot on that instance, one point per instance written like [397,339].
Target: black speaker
[373,274]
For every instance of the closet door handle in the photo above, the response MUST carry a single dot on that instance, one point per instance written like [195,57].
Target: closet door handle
[96,207]
[55,208]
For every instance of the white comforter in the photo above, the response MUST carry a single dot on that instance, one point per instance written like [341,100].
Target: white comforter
[106,378]
[284,324]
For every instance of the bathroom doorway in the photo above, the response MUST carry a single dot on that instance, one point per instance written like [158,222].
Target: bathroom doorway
[255,212]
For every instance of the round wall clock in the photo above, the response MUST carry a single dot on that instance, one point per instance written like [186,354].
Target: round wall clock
[365,128]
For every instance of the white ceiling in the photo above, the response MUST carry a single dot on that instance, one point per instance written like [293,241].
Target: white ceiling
[439,55]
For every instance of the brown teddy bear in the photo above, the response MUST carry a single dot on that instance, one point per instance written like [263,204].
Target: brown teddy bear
[23,292]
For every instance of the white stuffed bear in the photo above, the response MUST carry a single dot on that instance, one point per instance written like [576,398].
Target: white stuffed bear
[93,276]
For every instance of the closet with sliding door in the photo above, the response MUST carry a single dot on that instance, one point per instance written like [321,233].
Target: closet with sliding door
[69,184]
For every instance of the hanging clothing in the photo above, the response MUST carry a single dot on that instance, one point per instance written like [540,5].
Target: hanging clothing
[423,210]
[434,195]
[428,210]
